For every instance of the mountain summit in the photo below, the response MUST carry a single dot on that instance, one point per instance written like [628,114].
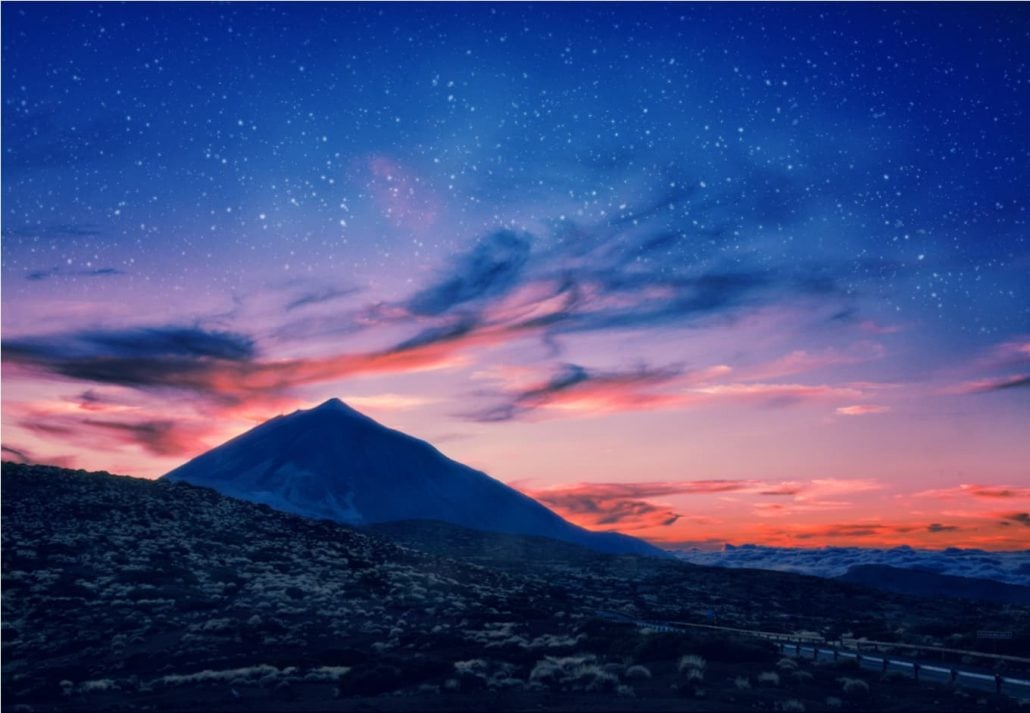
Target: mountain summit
[336,463]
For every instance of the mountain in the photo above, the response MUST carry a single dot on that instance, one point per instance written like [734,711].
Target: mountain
[923,583]
[335,463]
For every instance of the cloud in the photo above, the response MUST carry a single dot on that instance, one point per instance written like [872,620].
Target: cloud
[16,454]
[107,428]
[53,230]
[1018,518]
[862,409]
[850,531]
[40,275]
[24,455]
[626,506]
[170,357]
[319,297]
[938,527]
[622,506]
[986,386]
[1011,354]
[388,402]
[800,360]
[157,437]
[976,491]
[573,390]
[490,269]
[506,287]
[1009,567]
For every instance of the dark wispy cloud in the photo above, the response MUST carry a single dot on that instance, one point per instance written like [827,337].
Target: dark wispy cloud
[169,356]
[39,275]
[159,437]
[22,456]
[1006,383]
[573,391]
[938,527]
[622,506]
[1016,518]
[53,230]
[572,383]
[627,506]
[490,269]
[321,296]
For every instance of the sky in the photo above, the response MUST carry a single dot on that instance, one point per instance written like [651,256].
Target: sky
[746,273]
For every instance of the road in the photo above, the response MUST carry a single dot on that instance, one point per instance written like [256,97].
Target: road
[811,647]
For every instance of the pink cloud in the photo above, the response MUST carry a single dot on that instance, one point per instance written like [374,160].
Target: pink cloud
[971,490]
[801,361]
[862,409]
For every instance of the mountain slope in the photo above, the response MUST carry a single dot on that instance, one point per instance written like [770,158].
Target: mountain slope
[333,462]
[922,583]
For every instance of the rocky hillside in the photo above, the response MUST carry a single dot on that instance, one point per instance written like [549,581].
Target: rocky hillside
[128,594]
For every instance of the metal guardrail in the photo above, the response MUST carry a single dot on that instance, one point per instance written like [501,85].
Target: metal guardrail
[858,643]
[931,673]
[817,646]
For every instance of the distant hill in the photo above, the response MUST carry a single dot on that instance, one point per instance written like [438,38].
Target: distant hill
[922,583]
[335,463]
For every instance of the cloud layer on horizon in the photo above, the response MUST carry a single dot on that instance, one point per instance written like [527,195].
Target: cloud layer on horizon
[1009,567]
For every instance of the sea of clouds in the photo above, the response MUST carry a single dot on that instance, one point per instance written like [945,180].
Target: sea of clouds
[1010,567]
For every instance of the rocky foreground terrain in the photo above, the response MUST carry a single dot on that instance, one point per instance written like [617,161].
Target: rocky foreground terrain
[127,594]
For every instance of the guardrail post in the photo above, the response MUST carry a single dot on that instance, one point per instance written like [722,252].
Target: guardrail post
[997,683]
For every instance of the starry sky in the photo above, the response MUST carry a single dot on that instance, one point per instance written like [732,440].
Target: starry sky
[699,273]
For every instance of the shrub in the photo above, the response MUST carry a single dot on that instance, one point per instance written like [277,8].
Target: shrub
[801,676]
[853,687]
[742,683]
[326,673]
[371,680]
[833,702]
[101,684]
[638,673]
[769,678]
[786,664]
[572,673]
[691,662]
[792,705]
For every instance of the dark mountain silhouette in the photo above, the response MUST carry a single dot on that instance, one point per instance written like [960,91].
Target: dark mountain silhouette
[335,463]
